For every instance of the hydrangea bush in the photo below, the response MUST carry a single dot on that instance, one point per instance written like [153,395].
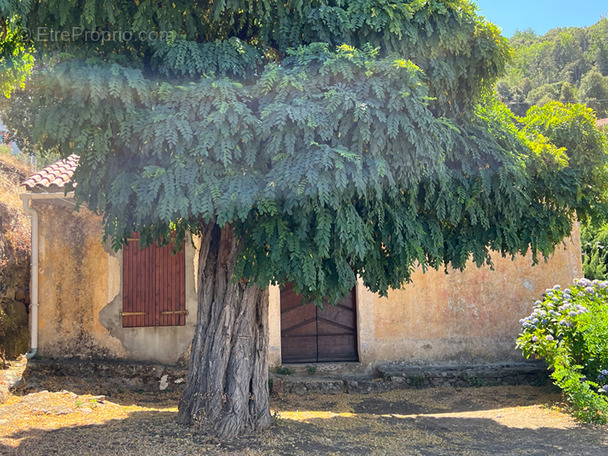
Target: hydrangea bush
[568,329]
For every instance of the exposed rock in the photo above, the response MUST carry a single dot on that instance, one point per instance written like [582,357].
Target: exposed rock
[163,382]
[15,336]
[123,375]
[368,385]
[14,261]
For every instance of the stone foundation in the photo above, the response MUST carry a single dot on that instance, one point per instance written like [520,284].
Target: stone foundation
[156,377]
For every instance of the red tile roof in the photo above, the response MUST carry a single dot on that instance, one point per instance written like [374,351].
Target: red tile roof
[54,177]
[602,123]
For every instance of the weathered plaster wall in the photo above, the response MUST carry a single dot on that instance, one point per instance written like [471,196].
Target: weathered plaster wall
[81,294]
[274,326]
[471,315]
[164,344]
[462,316]
[73,284]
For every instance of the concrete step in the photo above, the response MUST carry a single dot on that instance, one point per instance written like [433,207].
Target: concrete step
[465,375]
[326,369]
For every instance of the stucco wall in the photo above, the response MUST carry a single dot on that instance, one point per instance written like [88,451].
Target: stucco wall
[471,315]
[81,294]
[73,284]
[461,316]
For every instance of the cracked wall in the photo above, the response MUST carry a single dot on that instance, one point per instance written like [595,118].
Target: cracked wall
[80,294]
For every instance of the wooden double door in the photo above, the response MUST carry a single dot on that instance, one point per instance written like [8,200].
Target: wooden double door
[309,334]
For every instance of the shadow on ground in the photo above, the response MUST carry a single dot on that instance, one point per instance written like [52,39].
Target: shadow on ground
[441,399]
[470,421]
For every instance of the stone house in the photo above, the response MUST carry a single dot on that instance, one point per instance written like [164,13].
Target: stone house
[91,302]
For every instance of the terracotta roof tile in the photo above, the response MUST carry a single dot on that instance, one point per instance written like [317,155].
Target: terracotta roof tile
[54,177]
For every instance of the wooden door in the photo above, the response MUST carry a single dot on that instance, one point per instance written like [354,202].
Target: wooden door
[309,334]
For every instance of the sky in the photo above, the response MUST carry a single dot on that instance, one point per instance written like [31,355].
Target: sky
[541,15]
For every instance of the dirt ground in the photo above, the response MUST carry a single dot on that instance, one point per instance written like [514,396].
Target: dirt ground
[80,417]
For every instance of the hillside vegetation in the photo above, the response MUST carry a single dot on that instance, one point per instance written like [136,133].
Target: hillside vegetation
[566,64]
[569,65]
[14,259]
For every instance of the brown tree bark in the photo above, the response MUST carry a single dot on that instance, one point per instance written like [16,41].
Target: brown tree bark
[227,390]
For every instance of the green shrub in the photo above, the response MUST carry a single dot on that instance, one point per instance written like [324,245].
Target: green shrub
[312,370]
[282,370]
[594,243]
[569,330]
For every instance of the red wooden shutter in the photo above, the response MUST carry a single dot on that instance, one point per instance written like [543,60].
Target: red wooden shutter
[154,286]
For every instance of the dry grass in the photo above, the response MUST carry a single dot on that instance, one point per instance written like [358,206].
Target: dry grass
[14,220]
[443,421]
[14,244]
[12,174]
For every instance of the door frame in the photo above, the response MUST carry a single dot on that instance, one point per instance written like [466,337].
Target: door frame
[365,324]
[318,335]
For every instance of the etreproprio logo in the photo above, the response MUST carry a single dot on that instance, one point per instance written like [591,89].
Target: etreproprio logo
[47,34]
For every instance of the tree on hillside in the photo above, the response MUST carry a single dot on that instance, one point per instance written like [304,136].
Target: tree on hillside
[594,92]
[543,94]
[601,56]
[567,93]
[562,55]
[523,37]
[304,142]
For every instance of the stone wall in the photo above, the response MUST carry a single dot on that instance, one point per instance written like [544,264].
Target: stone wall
[14,261]
[14,286]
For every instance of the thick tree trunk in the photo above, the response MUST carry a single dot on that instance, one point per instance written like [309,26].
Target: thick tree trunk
[227,390]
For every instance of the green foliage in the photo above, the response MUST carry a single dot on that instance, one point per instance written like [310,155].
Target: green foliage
[417,382]
[543,94]
[593,264]
[594,243]
[312,369]
[282,370]
[231,57]
[16,60]
[474,382]
[547,63]
[338,139]
[572,127]
[568,330]
[601,56]
[567,93]
[594,90]
[459,53]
